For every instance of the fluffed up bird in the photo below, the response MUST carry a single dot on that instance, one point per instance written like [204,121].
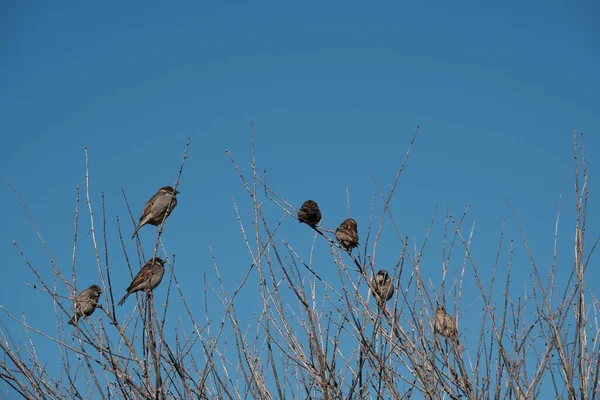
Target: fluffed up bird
[347,234]
[309,213]
[157,207]
[382,286]
[445,325]
[148,278]
[86,303]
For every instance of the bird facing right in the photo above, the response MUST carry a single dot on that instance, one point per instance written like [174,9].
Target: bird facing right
[445,325]
[158,208]
[148,278]
[86,303]
[309,213]
[347,234]
[383,288]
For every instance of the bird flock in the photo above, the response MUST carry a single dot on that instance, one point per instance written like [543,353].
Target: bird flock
[381,284]
[163,202]
[156,210]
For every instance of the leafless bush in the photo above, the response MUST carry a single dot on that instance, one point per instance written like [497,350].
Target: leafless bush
[316,338]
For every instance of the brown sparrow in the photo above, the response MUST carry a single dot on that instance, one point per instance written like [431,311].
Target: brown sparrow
[157,207]
[445,325]
[382,286]
[148,278]
[309,213]
[347,234]
[86,303]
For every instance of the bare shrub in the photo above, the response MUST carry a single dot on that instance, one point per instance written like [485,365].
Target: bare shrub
[315,338]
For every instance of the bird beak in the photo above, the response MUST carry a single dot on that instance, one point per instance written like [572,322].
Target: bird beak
[176,191]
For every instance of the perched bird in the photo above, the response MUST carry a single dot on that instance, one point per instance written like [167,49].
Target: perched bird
[383,288]
[157,207]
[86,303]
[148,278]
[445,325]
[309,213]
[347,234]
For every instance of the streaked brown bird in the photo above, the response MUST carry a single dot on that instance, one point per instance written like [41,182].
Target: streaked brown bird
[383,288]
[157,207]
[445,325]
[347,234]
[147,279]
[309,213]
[86,303]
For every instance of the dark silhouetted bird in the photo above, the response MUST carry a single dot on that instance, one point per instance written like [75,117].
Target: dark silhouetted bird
[383,288]
[445,325]
[309,213]
[157,207]
[347,234]
[86,303]
[148,278]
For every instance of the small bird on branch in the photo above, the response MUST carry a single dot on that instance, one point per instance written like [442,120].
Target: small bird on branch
[86,303]
[309,213]
[347,234]
[383,288]
[159,207]
[445,325]
[147,279]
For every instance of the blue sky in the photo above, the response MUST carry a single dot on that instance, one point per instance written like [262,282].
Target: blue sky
[335,92]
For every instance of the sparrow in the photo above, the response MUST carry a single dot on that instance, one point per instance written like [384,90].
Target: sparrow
[86,303]
[445,325]
[157,207]
[309,213]
[383,288]
[148,278]
[347,234]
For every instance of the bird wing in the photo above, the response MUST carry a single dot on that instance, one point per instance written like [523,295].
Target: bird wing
[148,208]
[140,278]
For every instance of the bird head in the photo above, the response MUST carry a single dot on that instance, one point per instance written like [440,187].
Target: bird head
[168,190]
[383,275]
[96,289]
[159,260]
[350,223]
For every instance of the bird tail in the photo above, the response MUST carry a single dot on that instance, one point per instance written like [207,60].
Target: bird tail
[137,228]
[73,321]
[123,299]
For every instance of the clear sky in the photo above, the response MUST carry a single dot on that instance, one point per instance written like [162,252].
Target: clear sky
[335,90]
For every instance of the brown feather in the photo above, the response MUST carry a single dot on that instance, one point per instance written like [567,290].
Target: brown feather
[158,208]
[86,303]
[309,213]
[347,234]
[445,325]
[382,286]
[148,278]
